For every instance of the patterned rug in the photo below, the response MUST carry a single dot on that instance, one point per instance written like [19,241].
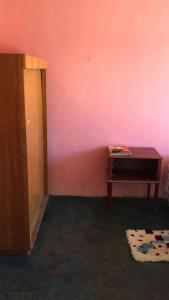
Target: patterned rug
[149,245]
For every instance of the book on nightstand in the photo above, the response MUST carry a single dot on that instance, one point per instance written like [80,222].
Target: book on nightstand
[119,150]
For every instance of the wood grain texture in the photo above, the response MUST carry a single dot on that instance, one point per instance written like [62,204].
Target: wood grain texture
[15,147]
[34,140]
[13,167]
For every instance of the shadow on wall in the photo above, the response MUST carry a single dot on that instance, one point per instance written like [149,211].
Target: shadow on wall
[20,50]
[81,173]
[9,49]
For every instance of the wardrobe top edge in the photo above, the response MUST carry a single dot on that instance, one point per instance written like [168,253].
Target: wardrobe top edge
[28,61]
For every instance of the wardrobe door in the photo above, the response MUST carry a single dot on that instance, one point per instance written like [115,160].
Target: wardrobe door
[35,143]
[13,189]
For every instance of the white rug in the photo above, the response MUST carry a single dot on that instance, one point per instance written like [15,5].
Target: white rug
[149,245]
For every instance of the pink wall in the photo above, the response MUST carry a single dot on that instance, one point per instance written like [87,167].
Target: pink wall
[107,80]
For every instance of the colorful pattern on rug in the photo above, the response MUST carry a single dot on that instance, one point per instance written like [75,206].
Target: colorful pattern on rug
[149,245]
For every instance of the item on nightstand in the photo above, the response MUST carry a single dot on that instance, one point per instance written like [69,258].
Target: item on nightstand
[119,150]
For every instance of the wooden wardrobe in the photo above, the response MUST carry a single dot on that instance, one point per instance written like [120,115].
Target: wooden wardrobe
[23,151]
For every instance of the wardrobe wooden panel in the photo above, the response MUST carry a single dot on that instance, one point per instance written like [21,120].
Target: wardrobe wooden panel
[23,164]
[34,140]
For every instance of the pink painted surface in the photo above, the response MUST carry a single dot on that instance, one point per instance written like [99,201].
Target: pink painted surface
[107,81]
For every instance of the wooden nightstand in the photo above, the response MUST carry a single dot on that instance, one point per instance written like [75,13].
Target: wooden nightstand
[142,165]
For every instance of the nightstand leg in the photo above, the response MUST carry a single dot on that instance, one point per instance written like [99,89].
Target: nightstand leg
[109,195]
[156,195]
[148,190]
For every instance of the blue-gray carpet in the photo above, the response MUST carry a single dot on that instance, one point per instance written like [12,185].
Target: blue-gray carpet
[81,253]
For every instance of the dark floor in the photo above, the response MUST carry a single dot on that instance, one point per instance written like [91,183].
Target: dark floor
[81,253]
